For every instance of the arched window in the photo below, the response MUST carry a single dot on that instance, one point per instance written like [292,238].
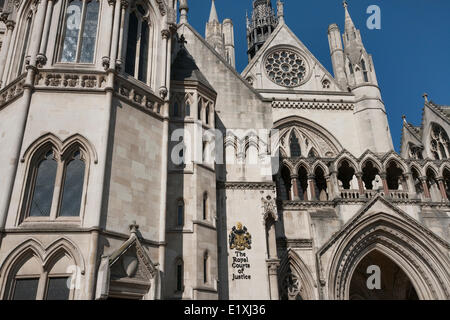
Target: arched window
[440,142]
[187,109]
[207,115]
[138,42]
[73,186]
[294,146]
[205,206]
[199,111]
[321,185]
[180,275]
[43,185]
[176,110]
[394,177]
[350,66]
[48,173]
[180,213]
[346,175]
[30,281]
[446,176]
[415,152]
[80,31]
[364,70]
[371,178]
[205,267]
[26,41]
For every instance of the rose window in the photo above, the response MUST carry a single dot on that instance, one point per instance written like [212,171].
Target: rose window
[286,68]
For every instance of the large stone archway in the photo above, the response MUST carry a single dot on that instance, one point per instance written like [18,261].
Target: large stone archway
[377,277]
[381,227]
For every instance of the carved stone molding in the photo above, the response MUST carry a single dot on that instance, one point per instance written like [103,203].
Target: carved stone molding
[66,80]
[12,91]
[246,185]
[137,96]
[295,243]
[323,105]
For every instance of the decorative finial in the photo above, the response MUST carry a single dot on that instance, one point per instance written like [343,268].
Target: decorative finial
[134,228]
[280,10]
[184,9]
[425,96]
[345,4]
[182,41]
[404,118]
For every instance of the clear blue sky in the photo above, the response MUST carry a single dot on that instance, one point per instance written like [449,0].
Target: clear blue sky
[411,52]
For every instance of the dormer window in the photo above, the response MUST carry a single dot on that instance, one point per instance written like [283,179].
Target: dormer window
[80,31]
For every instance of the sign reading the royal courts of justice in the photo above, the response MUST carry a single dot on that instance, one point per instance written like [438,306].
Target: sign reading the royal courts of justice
[240,240]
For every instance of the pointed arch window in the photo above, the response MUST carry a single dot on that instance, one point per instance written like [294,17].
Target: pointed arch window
[43,186]
[55,184]
[207,115]
[138,43]
[180,213]
[80,31]
[73,186]
[187,109]
[350,66]
[180,275]
[294,146]
[205,206]
[364,70]
[29,280]
[205,267]
[199,111]
[440,143]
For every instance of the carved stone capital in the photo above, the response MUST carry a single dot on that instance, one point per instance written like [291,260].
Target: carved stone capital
[163,92]
[41,60]
[10,25]
[124,4]
[165,34]
[105,62]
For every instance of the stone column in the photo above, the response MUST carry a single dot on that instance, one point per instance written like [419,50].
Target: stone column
[408,177]
[273,265]
[294,182]
[442,188]
[426,191]
[385,185]
[360,183]
[115,36]
[104,43]
[312,187]
[123,35]
[4,52]
[335,192]
[42,58]
[38,28]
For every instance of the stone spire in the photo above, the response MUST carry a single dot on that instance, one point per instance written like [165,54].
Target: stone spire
[213,14]
[350,29]
[221,35]
[262,23]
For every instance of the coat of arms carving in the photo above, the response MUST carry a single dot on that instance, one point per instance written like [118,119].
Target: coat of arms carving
[240,239]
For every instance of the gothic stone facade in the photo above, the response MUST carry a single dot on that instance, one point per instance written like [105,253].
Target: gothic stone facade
[288,185]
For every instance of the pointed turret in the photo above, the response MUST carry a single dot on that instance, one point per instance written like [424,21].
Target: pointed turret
[350,28]
[373,127]
[221,35]
[213,14]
